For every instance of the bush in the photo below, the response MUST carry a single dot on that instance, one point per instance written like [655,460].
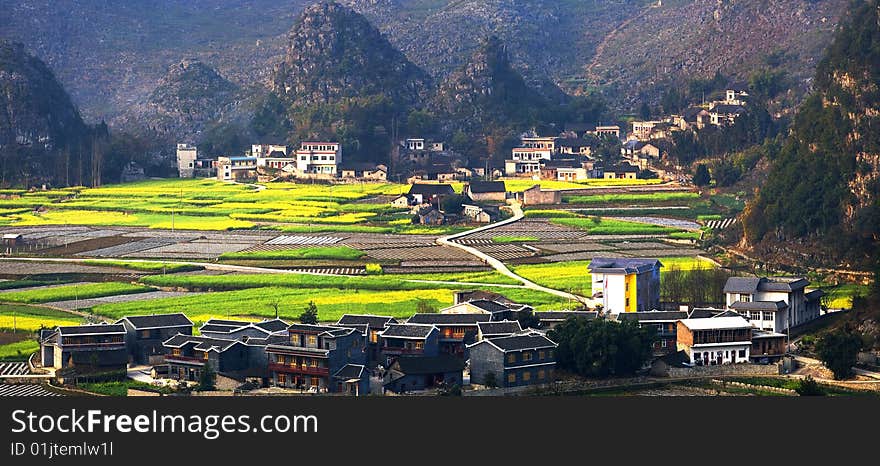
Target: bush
[809,387]
[839,351]
[374,269]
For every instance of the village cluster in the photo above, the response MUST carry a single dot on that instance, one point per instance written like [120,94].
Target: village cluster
[567,156]
[477,343]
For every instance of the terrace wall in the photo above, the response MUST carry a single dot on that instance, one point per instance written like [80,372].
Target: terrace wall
[724,370]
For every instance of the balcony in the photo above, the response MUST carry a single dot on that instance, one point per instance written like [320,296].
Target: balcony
[291,369]
[170,358]
[398,350]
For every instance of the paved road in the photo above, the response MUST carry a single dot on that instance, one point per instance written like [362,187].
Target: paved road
[499,266]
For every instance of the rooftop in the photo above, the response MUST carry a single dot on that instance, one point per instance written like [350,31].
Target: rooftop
[716,323]
[522,342]
[487,187]
[374,321]
[505,327]
[755,284]
[623,265]
[759,305]
[431,189]
[91,329]
[158,320]
[552,316]
[412,331]
[449,319]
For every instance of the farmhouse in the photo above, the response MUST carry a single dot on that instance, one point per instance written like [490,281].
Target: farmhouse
[96,347]
[426,193]
[486,191]
[186,158]
[318,158]
[236,168]
[145,335]
[473,295]
[621,171]
[320,358]
[476,213]
[609,130]
[365,171]
[715,341]
[776,304]
[188,355]
[573,146]
[525,161]
[513,361]
[410,339]
[414,373]
[505,328]
[455,331]
[497,310]
[543,143]
[370,326]
[537,196]
[626,285]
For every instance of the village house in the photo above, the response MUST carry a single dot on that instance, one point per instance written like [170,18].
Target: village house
[537,196]
[402,201]
[498,310]
[737,95]
[666,325]
[477,214]
[319,158]
[455,331]
[364,171]
[513,361]
[320,358]
[429,215]
[621,171]
[573,146]
[550,319]
[410,339]
[767,347]
[626,285]
[187,356]
[642,129]
[486,191]
[98,347]
[417,373]
[236,168]
[371,327]
[504,328]
[608,130]
[464,296]
[186,158]
[525,161]
[542,143]
[145,335]
[715,341]
[429,193]
[693,118]
[773,303]
[724,114]
[241,329]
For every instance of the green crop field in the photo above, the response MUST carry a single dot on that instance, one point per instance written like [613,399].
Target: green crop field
[610,226]
[31,318]
[631,198]
[19,350]
[70,292]
[332,302]
[324,252]
[157,267]
[574,277]
[205,204]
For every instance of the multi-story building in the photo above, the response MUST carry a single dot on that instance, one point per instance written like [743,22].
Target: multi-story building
[319,158]
[371,327]
[236,168]
[626,285]
[455,331]
[608,130]
[666,324]
[773,303]
[268,150]
[415,373]
[93,347]
[642,129]
[188,355]
[408,339]
[715,341]
[320,358]
[513,361]
[186,158]
[498,310]
[767,347]
[145,335]
[542,143]
[526,161]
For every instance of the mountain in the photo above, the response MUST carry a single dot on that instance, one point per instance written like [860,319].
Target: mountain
[38,122]
[340,78]
[189,97]
[487,92]
[110,55]
[821,200]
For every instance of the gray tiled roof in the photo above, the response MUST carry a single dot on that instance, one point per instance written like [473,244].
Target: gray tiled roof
[408,331]
[523,342]
[375,322]
[759,305]
[449,319]
[90,329]
[506,327]
[158,320]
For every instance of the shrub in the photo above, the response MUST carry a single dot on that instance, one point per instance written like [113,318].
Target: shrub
[374,269]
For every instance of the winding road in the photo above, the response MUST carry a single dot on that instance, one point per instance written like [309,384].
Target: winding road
[449,241]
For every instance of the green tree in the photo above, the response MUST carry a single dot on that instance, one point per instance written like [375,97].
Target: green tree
[310,315]
[809,387]
[602,348]
[420,123]
[701,175]
[839,350]
[528,319]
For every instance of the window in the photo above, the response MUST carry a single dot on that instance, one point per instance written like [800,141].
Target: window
[206,355]
[145,334]
[511,378]
[282,359]
[419,345]
[282,379]
[511,358]
[175,352]
[541,374]
[527,356]
[663,343]
[742,353]
[542,355]
[316,382]
[527,376]
[313,340]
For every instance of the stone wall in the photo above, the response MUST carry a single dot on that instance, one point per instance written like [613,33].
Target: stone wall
[730,369]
